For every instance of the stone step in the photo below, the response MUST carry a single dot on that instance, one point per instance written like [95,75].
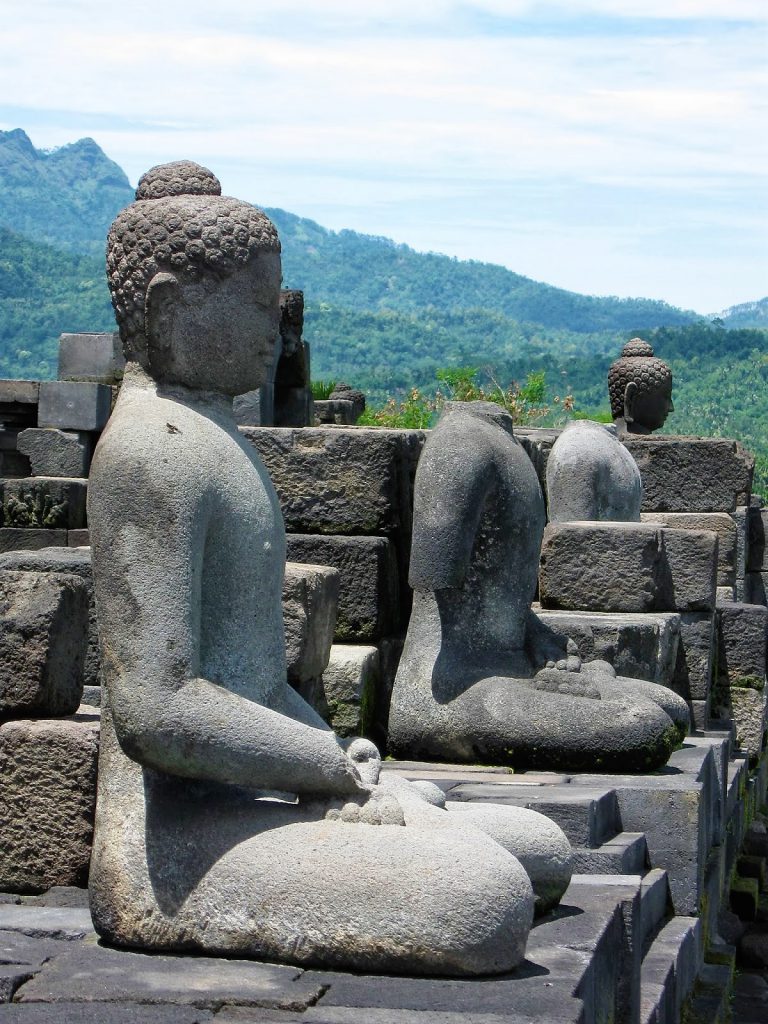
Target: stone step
[624,854]
[589,815]
[711,1002]
[655,906]
[669,970]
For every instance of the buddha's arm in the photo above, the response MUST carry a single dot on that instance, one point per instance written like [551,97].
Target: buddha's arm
[452,483]
[147,549]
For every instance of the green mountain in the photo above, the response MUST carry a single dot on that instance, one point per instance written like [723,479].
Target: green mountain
[378,314]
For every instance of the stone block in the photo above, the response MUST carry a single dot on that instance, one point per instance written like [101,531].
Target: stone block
[310,602]
[748,710]
[692,677]
[538,442]
[13,463]
[757,525]
[116,1013]
[32,539]
[63,559]
[740,517]
[293,407]
[627,567]
[44,501]
[641,646]
[74,405]
[692,474]
[53,452]
[96,974]
[254,408]
[755,590]
[78,539]
[19,392]
[341,481]
[47,802]
[43,642]
[350,685]
[725,594]
[368,586]
[338,411]
[742,637]
[91,357]
[720,522]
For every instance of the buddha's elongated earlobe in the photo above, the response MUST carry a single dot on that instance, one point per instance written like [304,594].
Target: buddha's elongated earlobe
[630,393]
[162,296]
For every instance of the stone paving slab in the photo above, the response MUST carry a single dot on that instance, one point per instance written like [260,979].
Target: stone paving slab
[46,922]
[117,1013]
[16,948]
[92,973]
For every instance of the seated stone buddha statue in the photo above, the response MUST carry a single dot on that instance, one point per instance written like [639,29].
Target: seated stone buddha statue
[481,678]
[230,818]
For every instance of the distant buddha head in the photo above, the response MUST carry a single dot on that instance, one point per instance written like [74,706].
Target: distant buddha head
[640,389]
[195,282]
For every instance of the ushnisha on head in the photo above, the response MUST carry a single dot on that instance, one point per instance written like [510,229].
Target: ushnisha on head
[640,389]
[195,282]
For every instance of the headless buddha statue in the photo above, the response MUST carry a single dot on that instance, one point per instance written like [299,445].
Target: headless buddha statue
[481,678]
[230,818]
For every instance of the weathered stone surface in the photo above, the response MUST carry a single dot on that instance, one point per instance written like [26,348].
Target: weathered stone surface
[108,1013]
[186,531]
[350,684]
[748,710]
[479,676]
[338,411]
[47,803]
[338,481]
[692,474]
[53,452]
[43,642]
[91,357]
[44,501]
[368,587]
[78,539]
[73,405]
[720,522]
[592,476]
[66,924]
[293,407]
[740,518]
[31,539]
[22,392]
[62,559]
[742,636]
[95,974]
[757,525]
[641,646]
[695,656]
[755,589]
[626,567]
[310,602]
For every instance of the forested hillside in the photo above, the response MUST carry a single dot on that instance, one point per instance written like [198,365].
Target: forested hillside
[378,314]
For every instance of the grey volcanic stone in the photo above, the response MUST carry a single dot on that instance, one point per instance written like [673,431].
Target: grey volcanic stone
[310,601]
[368,583]
[467,686]
[53,452]
[641,646]
[198,718]
[742,636]
[47,801]
[748,710]
[339,411]
[88,974]
[103,1013]
[351,682]
[592,476]
[627,567]
[61,499]
[31,539]
[43,641]
[695,656]
[757,520]
[337,481]
[692,474]
[19,392]
[64,924]
[71,561]
[723,525]
[73,406]
[91,357]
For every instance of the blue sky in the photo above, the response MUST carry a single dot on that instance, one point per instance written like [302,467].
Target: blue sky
[606,146]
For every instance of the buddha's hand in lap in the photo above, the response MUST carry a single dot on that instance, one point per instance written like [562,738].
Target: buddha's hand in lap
[565,677]
[378,807]
[366,758]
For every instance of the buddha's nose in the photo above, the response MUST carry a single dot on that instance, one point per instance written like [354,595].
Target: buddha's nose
[671,405]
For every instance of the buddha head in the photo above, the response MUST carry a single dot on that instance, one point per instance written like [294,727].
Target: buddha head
[195,282]
[640,389]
